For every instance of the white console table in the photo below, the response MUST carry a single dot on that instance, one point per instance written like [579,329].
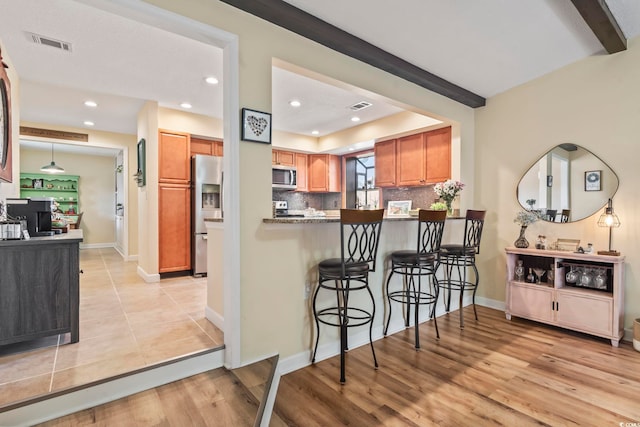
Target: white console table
[592,311]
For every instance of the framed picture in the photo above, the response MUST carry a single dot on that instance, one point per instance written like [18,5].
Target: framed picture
[38,183]
[140,176]
[399,208]
[593,180]
[549,180]
[256,126]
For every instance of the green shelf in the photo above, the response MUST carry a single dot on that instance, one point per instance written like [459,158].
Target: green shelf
[35,185]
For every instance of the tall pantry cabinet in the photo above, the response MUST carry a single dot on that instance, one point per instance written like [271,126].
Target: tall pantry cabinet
[174,201]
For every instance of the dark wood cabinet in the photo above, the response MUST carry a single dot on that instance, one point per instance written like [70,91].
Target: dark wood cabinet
[39,288]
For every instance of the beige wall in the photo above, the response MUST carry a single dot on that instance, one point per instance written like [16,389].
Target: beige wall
[271,279]
[195,124]
[113,140]
[592,103]
[96,189]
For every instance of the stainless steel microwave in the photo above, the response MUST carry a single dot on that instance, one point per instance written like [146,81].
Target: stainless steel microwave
[284,177]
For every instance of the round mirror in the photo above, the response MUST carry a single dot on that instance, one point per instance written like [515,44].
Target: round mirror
[568,183]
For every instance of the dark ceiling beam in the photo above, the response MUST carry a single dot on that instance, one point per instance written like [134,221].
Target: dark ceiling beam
[300,22]
[598,17]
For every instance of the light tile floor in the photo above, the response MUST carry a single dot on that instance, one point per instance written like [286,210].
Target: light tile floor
[125,324]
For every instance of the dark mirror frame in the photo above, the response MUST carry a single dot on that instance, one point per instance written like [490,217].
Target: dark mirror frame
[568,183]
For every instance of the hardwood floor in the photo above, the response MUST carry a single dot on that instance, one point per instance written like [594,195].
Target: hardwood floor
[215,398]
[494,372]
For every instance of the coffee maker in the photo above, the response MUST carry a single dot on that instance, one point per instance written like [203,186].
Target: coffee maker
[36,211]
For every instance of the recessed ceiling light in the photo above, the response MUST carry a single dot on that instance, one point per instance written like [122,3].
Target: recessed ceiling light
[211,80]
[295,103]
[355,119]
[185,105]
[88,123]
[90,103]
[315,132]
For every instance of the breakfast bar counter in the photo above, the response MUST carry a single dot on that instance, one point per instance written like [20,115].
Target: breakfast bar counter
[39,287]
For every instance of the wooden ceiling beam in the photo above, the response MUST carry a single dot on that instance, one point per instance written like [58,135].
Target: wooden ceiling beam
[599,18]
[302,23]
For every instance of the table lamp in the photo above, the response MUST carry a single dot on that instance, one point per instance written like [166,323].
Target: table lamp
[609,219]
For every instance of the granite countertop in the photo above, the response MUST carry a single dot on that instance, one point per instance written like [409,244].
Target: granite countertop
[328,219]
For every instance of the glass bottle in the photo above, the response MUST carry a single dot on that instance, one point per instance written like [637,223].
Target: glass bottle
[519,272]
[531,278]
[600,280]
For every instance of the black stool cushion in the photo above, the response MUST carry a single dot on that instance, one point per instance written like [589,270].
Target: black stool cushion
[333,266]
[459,250]
[412,257]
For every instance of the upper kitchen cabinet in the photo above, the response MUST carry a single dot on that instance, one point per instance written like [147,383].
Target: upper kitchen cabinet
[173,157]
[302,175]
[385,163]
[438,155]
[208,147]
[284,158]
[411,160]
[324,173]
[414,160]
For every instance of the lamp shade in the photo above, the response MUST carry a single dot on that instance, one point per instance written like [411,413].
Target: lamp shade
[608,217]
[52,167]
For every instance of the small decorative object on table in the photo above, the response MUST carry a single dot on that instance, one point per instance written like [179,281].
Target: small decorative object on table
[519,272]
[524,219]
[551,274]
[541,242]
[447,191]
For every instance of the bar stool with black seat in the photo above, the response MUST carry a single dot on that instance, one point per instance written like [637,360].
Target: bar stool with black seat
[457,258]
[413,266]
[349,274]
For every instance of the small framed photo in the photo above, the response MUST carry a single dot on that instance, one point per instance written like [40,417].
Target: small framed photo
[256,126]
[399,208]
[549,180]
[38,183]
[593,180]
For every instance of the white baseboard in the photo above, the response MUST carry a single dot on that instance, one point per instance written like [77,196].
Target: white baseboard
[214,317]
[149,278]
[99,394]
[96,245]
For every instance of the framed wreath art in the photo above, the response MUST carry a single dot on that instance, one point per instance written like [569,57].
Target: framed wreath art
[256,126]
[593,181]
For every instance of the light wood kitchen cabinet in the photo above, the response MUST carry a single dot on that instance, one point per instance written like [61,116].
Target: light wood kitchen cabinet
[438,155]
[593,311]
[173,157]
[207,147]
[302,181]
[424,158]
[283,158]
[385,163]
[324,173]
[174,209]
[411,160]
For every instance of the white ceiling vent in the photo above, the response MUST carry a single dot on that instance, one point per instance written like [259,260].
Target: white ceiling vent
[48,41]
[360,105]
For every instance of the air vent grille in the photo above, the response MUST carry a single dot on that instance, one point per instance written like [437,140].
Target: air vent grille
[48,41]
[360,105]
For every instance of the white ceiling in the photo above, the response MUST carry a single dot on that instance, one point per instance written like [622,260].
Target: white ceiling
[486,46]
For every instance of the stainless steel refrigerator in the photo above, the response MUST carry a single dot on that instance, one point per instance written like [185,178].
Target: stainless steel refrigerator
[206,179]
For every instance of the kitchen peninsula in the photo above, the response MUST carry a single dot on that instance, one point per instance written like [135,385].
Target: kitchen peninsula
[39,287]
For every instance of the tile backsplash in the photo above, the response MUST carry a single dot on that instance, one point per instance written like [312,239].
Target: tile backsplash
[421,197]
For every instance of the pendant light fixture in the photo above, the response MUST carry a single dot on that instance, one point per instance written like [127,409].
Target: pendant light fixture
[52,167]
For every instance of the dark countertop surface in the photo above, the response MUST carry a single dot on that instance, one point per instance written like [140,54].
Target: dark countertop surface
[69,237]
[329,219]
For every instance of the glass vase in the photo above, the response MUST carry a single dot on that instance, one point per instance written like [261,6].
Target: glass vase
[522,241]
[449,207]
